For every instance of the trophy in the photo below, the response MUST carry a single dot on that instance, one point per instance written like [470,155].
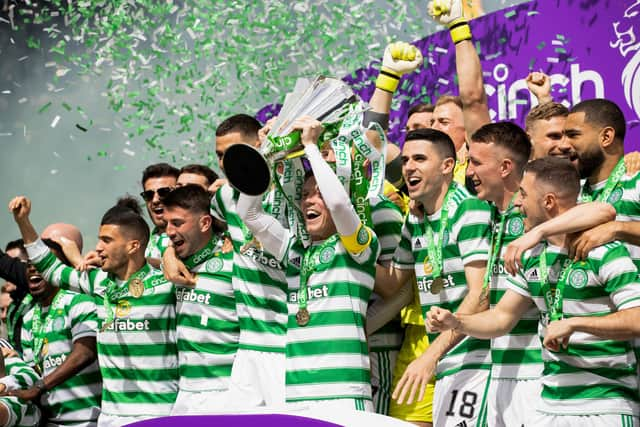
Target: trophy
[328,100]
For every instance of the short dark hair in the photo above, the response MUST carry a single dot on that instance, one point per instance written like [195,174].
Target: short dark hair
[603,113]
[446,99]
[190,197]
[243,123]
[15,244]
[440,140]
[128,215]
[508,136]
[202,170]
[420,108]
[558,173]
[159,170]
[545,111]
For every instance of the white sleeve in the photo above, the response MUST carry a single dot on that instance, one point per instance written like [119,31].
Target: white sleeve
[273,237]
[335,197]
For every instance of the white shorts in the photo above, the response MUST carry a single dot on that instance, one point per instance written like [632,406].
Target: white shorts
[382,366]
[108,420]
[461,399]
[548,420]
[329,405]
[257,379]
[512,402]
[202,402]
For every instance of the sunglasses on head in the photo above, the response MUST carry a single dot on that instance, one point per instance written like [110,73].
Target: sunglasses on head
[162,192]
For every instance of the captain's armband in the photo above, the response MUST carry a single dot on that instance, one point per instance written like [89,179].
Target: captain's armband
[358,241]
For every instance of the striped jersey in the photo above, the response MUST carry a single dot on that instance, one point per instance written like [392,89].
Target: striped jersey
[593,375]
[328,358]
[158,243]
[137,352]
[465,240]
[516,355]
[258,281]
[207,323]
[387,220]
[72,316]
[19,375]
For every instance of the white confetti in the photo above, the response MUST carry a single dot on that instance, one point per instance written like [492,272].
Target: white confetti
[55,121]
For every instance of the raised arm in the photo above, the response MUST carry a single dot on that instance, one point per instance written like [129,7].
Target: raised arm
[475,108]
[51,268]
[273,237]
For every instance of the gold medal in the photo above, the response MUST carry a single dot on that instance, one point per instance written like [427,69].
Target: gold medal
[437,285]
[302,317]
[136,288]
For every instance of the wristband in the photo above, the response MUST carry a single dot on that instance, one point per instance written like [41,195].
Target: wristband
[371,116]
[460,30]
[387,80]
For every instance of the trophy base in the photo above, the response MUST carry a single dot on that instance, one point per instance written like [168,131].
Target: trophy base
[246,169]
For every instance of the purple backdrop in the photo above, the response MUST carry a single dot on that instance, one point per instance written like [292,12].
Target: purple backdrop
[589,47]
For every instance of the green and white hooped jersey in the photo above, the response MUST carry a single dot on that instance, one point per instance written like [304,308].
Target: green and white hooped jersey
[258,282]
[158,243]
[387,220]
[207,321]
[625,198]
[516,355]
[465,240]
[137,353]
[22,376]
[593,375]
[77,400]
[328,358]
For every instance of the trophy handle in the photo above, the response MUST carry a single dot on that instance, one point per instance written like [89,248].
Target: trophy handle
[246,169]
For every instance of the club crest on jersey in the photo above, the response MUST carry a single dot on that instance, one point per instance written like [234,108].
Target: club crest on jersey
[578,278]
[515,226]
[327,254]
[615,196]
[363,236]
[214,265]
[123,308]
[58,323]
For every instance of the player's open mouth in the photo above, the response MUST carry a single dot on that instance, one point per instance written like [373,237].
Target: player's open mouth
[311,214]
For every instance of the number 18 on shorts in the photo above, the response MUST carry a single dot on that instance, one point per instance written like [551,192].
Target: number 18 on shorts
[460,399]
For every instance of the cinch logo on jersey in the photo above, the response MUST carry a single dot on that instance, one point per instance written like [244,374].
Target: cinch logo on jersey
[53,362]
[190,295]
[206,253]
[424,284]
[128,325]
[259,257]
[311,293]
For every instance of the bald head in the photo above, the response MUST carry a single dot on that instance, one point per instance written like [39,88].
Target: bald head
[57,230]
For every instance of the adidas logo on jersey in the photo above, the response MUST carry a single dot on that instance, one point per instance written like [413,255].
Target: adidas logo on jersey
[533,275]
[53,362]
[122,325]
[296,261]
[419,243]
[190,295]
[311,293]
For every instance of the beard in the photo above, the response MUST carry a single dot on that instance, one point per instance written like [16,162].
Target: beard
[588,162]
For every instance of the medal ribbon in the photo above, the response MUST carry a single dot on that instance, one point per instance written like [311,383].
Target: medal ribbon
[496,245]
[114,291]
[39,327]
[613,180]
[309,264]
[553,295]
[204,253]
[434,248]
